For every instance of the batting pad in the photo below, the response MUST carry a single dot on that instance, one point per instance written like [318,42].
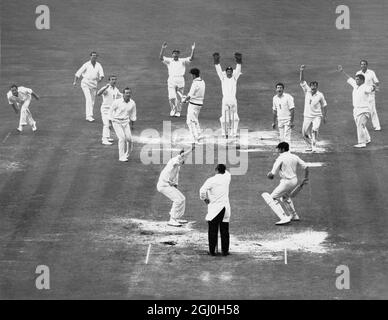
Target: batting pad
[275,207]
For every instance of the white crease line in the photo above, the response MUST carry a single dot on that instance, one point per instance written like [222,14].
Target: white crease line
[6,137]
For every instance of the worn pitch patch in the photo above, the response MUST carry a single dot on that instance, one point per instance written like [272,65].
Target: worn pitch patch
[254,141]
[8,166]
[265,247]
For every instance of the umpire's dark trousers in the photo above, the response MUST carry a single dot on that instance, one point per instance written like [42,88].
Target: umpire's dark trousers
[214,225]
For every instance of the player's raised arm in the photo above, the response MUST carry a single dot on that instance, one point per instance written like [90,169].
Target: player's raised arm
[216,60]
[184,154]
[161,54]
[238,58]
[340,69]
[191,58]
[301,73]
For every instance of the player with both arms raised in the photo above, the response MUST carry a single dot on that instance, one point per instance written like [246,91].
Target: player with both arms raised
[229,117]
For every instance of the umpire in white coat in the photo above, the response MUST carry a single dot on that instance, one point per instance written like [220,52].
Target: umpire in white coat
[215,192]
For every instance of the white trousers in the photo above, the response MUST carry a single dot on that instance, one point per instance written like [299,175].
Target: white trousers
[25,114]
[90,98]
[229,117]
[362,131]
[105,122]
[123,132]
[373,112]
[192,120]
[310,124]
[174,85]
[284,130]
[177,198]
[281,194]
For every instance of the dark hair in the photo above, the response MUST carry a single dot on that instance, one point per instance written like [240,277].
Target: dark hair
[195,72]
[127,88]
[360,76]
[221,168]
[283,146]
[279,84]
[176,50]
[228,68]
[363,60]
[93,52]
[111,76]
[314,82]
[13,86]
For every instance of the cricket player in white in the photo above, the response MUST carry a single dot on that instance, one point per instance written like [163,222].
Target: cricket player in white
[109,94]
[168,185]
[20,99]
[371,80]
[215,193]
[229,87]
[361,106]
[176,82]
[195,98]
[286,165]
[283,113]
[123,115]
[314,111]
[91,73]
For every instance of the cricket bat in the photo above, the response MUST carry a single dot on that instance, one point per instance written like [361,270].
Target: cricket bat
[297,189]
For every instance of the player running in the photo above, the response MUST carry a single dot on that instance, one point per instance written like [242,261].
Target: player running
[20,99]
[229,117]
[314,111]
[286,165]
[176,81]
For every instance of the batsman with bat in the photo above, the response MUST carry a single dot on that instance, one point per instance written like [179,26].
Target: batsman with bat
[229,117]
[286,165]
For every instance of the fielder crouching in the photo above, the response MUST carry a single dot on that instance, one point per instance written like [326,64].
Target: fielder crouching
[286,164]
[168,185]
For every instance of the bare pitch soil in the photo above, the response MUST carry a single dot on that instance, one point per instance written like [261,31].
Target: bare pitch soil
[66,202]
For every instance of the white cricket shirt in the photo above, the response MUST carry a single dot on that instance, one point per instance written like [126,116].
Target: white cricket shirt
[170,173]
[176,68]
[229,85]
[23,95]
[283,106]
[197,91]
[286,164]
[360,97]
[370,77]
[90,74]
[109,96]
[313,104]
[216,189]
[123,111]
